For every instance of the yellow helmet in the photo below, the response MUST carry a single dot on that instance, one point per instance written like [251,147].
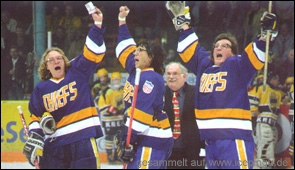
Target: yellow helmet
[259,76]
[116,75]
[289,80]
[102,72]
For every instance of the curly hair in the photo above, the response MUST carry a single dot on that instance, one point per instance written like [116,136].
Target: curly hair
[156,52]
[45,74]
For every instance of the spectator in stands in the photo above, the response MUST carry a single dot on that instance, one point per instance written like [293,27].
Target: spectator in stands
[283,43]
[29,80]
[290,84]
[8,21]
[234,21]
[16,70]
[195,12]
[286,68]
[171,56]
[4,75]
[53,19]
[70,20]
[210,24]
[5,40]
[285,12]
[74,43]
[252,21]
[59,37]
[21,40]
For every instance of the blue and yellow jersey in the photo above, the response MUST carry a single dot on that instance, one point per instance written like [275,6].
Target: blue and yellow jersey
[150,125]
[222,106]
[115,98]
[69,99]
[253,99]
[270,101]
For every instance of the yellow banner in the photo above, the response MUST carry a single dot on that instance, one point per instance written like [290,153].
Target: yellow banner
[13,137]
[12,132]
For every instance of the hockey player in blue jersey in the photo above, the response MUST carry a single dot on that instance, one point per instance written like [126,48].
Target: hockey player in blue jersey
[65,138]
[222,106]
[151,136]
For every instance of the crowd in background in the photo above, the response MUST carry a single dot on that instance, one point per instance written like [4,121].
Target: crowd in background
[69,22]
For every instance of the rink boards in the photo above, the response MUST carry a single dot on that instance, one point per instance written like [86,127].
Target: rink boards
[12,132]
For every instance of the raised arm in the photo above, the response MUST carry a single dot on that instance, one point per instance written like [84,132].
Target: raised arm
[123,13]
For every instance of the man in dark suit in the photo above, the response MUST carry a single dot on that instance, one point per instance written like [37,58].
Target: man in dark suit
[186,149]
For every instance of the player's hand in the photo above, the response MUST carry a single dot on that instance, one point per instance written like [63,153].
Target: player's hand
[179,13]
[268,22]
[48,124]
[123,13]
[33,148]
[97,17]
[123,153]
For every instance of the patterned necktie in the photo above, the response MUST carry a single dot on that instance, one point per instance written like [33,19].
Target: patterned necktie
[176,130]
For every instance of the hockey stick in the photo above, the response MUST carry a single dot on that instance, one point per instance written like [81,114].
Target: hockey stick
[26,130]
[137,76]
[266,51]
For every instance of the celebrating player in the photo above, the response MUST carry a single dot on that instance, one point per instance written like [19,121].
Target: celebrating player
[222,106]
[151,136]
[65,138]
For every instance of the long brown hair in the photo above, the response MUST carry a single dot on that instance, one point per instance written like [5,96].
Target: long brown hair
[45,74]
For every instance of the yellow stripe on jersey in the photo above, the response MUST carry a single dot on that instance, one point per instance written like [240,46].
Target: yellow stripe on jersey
[241,149]
[145,157]
[163,124]
[188,53]
[224,113]
[141,116]
[146,118]
[77,116]
[92,56]
[34,118]
[95,152]
[123,57]
[253,57]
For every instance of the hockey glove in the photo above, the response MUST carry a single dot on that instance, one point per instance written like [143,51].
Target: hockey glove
[268,21]
[179,13]
[123,153]
[48,124]
[33,147]
[109,110]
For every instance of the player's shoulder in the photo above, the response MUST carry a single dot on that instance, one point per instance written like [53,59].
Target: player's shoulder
[152,76]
